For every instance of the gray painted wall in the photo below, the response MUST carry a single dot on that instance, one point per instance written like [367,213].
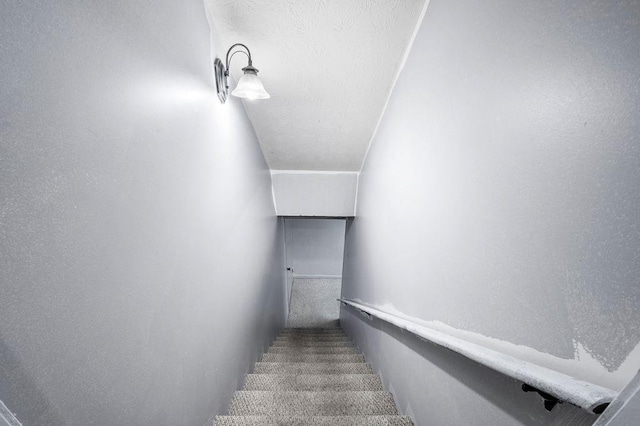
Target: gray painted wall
[314,193]
[500,197]
[141,262]
[625,409]
[315,247]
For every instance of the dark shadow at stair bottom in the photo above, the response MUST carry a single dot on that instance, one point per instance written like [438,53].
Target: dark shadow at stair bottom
[499,390]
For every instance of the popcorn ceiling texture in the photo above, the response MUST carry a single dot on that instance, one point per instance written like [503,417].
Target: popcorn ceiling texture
[329,66]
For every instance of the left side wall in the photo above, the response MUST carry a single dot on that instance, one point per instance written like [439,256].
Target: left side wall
[141,261]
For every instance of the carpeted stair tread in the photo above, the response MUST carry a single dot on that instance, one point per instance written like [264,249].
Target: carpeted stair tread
[303,403]
[313,382]
[293,357]
[319,338]
[314,325]
[313,421]
[318,325]
[311,336]
[324,327]
[313,377]
[312,368]
[312,350]
[311,344]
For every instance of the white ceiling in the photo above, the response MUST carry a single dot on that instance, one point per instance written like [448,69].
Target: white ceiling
[329,66]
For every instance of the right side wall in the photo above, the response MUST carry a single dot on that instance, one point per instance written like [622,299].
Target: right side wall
[501,198]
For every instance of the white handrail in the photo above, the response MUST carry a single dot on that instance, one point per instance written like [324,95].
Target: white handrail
[7,418]
[591,397]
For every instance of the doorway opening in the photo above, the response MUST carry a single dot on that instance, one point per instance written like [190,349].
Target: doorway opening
[314,257]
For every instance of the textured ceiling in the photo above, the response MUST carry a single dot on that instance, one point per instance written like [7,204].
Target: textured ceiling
[329,66]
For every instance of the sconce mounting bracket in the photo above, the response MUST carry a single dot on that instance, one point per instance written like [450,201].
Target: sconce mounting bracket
[222,85]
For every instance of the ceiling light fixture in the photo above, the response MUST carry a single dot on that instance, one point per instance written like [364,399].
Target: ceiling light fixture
[249,86]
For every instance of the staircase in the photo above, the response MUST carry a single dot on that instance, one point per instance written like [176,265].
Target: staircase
[313,376]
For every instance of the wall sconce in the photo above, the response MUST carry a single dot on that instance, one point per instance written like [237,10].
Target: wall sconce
[249,86]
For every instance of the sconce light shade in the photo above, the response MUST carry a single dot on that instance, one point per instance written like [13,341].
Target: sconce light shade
[249,86]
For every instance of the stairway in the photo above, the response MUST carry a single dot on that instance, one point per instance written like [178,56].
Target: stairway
[316,377]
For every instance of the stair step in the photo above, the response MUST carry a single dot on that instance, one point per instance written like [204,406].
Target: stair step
[303,403]
[317,338]
[311,335]
[313,330]
[311,344]
[312,350]
[313,382]
[312,368]
[294,357]
[325,324]
[313,421]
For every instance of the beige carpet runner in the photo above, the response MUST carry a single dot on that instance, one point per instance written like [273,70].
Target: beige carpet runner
[313,376]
